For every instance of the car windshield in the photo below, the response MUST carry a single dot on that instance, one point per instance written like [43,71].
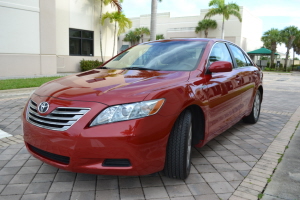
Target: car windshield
[164,55]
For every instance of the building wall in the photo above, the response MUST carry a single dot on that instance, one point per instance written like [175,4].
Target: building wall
[34,35]
[245,34]
[20,28]
[82,15]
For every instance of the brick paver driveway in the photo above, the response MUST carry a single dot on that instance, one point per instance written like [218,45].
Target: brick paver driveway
[218,169]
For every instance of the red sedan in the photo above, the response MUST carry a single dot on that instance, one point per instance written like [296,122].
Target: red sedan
[142,111]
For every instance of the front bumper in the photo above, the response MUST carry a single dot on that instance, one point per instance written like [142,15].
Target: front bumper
[142,142]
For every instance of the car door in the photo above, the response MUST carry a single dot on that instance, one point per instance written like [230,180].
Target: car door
[222,91]
[247,74]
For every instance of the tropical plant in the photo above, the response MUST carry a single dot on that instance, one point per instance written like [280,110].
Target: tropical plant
[288,35]
[160,37]
[205,24]
[120,19]
[270,39]
[142,31]
[131,37]
[116,4]
[296,45]
[153,19]
[226,10]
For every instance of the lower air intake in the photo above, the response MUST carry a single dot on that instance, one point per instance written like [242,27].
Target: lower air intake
[51,156]
[116,163]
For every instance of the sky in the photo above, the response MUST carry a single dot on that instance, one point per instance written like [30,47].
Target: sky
[274,13]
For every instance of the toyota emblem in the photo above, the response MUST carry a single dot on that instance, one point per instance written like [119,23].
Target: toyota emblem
[43,107]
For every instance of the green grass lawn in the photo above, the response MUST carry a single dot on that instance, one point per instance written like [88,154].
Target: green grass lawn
[8,84]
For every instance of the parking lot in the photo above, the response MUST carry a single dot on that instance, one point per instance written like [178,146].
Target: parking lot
[234,165]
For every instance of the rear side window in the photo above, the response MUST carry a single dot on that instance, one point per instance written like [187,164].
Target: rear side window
[238,55]
[249,63]
[219,52]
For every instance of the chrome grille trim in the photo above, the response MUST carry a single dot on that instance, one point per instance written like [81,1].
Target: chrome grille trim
[60,119]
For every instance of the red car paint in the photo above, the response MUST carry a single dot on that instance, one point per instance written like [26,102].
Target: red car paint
[223,97]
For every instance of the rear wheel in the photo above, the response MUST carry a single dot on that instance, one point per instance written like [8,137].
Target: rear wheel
[254,115]
[178,156]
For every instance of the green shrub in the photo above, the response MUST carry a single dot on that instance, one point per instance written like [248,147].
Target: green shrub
[86,65]
[268,64]
[268,69]
[296,67]
[273,66]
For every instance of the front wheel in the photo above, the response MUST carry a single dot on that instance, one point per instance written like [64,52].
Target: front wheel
[254,115]
[178,155]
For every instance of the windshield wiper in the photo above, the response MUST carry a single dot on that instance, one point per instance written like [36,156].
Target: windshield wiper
[140,68]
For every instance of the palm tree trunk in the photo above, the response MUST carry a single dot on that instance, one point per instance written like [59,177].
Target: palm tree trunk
[114,39]
[291,40]
[101,53]
[272,59]
[206,33]
[153,20]
[286,59]
[273,51]
[223,29]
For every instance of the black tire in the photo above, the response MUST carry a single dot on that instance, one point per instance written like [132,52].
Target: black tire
[178,155]
[254,115]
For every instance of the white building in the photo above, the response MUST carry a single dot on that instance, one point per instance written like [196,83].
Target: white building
[246,34]
[43,37]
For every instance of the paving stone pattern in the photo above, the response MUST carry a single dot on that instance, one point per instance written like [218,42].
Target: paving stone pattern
[218,169]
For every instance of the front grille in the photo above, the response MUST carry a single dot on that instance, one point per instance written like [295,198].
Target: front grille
[59,119]
[50,156]
[116,163]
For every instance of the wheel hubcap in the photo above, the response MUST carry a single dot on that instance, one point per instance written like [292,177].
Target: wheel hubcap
[189,148]
[256,106]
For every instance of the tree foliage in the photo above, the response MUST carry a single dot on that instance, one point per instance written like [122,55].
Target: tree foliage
[114,3]
[226,10]
[160,37]
[289,35]
[206,24]
[131,37]
[142,31]
[270,39]
[117,18]
[296,44]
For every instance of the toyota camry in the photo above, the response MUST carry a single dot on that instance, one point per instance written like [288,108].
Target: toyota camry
[142,111]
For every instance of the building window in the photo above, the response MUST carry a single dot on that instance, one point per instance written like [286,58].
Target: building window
[81,42]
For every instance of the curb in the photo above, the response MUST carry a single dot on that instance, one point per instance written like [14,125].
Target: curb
[256,181]
[18,90]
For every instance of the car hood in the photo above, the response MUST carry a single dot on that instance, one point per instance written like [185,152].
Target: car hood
[111,87]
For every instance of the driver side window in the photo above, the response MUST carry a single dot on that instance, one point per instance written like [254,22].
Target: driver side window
[219,52]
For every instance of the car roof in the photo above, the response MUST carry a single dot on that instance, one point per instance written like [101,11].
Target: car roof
[189,39]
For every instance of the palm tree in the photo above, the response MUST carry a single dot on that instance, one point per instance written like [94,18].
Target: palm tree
[142,31]
[160,37]
[270,39]
[205,24]
[131,37]
[220,8]
[296,44]
[153,19]
[120,19]
[116,4]
[288,35]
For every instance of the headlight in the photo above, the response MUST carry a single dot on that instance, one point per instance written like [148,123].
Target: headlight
[128,111]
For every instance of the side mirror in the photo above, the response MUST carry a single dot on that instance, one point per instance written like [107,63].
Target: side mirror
[220,66]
